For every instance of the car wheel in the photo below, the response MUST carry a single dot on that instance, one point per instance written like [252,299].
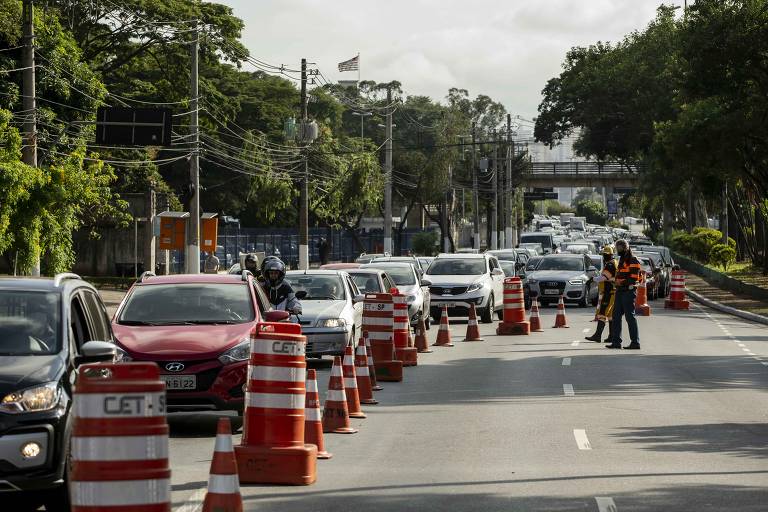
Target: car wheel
[427,320]
[487,314]
[500,314]
[584,297]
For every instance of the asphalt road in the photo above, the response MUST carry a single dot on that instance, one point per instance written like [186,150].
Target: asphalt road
[546,422]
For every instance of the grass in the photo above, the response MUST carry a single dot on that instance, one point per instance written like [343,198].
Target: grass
[745,271]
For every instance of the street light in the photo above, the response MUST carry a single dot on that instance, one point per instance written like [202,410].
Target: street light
[362,115]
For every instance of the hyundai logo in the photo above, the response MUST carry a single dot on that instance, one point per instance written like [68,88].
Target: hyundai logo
[174,367]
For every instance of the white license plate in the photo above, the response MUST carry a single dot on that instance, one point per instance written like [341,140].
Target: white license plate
[447,304]
[180,382]
[551,292]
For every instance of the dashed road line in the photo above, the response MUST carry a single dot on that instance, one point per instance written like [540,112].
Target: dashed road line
[746,350]
[586,330]
[566,361]
[575,343]
[582,441]
[568,390]
[606,505]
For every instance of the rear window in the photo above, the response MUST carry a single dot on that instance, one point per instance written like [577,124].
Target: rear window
[401,274]
[317,286]
[367,283]
[458,267]
[188,303]
[29,323]
[544,240]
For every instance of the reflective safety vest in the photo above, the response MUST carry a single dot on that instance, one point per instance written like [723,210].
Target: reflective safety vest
[629,273]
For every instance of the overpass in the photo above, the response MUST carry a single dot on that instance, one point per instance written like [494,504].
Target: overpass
[611,175]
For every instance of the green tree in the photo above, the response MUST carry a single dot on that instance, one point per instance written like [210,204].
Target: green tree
[594,212]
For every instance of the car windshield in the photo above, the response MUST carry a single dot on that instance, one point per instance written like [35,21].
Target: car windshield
[366,282]
[402,275]
[558,263]
[317,286]
[188,303]
[544,240]
[29,323]
[457,267]
[532,263]
[503,255]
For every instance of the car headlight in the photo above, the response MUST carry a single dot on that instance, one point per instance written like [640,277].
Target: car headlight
[576,281]
[121,356]
[410,299]
[474,287]
[240,352]
[532,280]
[331,322]
[38,398]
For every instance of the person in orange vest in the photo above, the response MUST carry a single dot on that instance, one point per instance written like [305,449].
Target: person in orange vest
[627,278]
[606,284]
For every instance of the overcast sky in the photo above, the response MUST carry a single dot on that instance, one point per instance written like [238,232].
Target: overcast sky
[506,49]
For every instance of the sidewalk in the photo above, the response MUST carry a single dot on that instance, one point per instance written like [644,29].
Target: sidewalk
[111,298]
[744,303]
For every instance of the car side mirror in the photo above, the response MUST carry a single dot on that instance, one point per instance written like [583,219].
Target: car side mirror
[358,298]
[426,282]
[301,294]
[277,316]
[96,352]
[497,272]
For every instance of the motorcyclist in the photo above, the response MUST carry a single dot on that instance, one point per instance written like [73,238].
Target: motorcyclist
[279,292]
[260,273]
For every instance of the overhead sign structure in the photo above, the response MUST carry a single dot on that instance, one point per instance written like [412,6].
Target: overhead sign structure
[124,126]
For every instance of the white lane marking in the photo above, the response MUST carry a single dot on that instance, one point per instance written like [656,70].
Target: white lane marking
[566,361]
[606,505]
[194,503]
[581,439]
[568,390]
[746,350]
[742,345]
[586,330]
[575,343]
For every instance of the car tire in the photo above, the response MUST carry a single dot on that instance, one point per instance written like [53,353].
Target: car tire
[427,320]
[487,315]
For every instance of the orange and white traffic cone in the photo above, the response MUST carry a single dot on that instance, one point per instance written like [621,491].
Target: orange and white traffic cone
[473,330]
[561,320]
[371,366]
[350,384]
[641,300]
[336,411]
[313,420]
[364,388]
[676,299]
[444,333]
[223,483]
[535,319]
[422,344]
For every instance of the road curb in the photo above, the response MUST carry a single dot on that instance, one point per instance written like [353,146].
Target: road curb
[746,315]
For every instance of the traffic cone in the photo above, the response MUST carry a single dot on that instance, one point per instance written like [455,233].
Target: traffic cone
[444,333]
[350,384]
[422,344]
[223,483]
[371,366]
[364,389]
[561,320]
[313,421]
[535,319]
[336,412]
[473,330]
[641,300]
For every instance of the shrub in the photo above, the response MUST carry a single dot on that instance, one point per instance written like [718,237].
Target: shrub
[722,255]
[702,242]
[681,242]
[594,211]
[425,243]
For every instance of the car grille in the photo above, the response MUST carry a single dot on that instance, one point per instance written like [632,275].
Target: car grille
[205,378]
[443,290]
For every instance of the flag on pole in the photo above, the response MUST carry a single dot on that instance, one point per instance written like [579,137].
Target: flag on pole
[352,64]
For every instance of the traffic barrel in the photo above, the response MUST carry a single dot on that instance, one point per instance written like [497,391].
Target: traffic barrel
[473,330]
[561,320]
[401,330]
[272,449]
[313,420]
[444,332]
[378,325]
[421,342]
[119,443]
[514,322]
[535,319]
[223,486]
[641,300]
[676,299]
[371,365]
[336,411]
[350,384]
[363,375]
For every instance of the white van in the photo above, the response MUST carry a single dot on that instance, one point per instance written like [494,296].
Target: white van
[546,239]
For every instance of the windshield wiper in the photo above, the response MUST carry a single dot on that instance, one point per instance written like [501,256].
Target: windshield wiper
[137,322]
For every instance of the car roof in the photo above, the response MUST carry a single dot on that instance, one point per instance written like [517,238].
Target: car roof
[45,284]
[463,255]
[340,266]
[370,270]
[564,255]
[192,278]
[385,264]
[316,272]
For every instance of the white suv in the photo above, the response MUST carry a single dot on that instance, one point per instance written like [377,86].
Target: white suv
[460,279]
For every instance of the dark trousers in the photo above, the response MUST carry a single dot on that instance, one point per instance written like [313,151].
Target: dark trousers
[624,306]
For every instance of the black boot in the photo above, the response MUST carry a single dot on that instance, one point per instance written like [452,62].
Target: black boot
[598,336]
[633,346]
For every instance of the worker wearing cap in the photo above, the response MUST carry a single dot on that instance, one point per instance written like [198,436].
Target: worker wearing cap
[627,279]
[606,286]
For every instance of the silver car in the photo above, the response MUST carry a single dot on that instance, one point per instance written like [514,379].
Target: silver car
[569,275]
[332,310]
[408,280]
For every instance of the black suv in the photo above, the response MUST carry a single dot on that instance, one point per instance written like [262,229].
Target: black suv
[47,328]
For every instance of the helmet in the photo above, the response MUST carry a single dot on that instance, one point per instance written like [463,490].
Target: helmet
[272,265]
[267,260]
[608,250]
[251,262]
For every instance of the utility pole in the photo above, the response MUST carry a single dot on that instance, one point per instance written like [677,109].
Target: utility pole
[724,227]
[475,193]
[495,209]
[446,213]
[193,244]
[388,177]
[29,151]
[304,194]
[510,238]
